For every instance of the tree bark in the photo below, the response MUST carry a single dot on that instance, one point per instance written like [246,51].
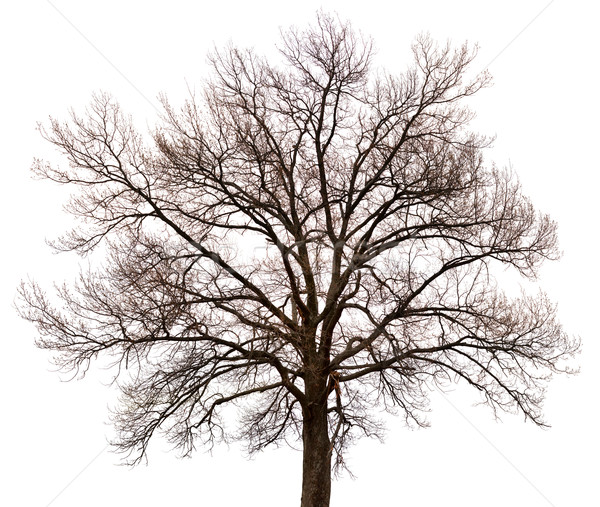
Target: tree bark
[316,462]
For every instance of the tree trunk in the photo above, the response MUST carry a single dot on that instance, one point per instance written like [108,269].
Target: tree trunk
[316,460]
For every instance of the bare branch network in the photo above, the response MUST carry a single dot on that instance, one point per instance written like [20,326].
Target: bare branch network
[378,225]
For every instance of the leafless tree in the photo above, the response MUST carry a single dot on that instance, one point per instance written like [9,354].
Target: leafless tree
[303,242]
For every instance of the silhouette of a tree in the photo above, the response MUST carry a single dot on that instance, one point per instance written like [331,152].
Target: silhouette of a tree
[379,225]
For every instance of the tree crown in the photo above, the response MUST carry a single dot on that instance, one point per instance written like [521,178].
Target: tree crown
[378,225]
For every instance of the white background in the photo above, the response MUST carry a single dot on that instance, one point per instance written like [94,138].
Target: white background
[544,110]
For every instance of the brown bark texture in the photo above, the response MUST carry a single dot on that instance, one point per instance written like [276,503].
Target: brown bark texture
[316,459]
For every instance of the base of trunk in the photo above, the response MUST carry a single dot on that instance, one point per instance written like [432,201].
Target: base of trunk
[316,460]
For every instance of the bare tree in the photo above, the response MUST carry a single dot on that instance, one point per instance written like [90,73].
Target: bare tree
[376,228]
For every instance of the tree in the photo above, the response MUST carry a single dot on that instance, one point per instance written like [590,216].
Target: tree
[377,228]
